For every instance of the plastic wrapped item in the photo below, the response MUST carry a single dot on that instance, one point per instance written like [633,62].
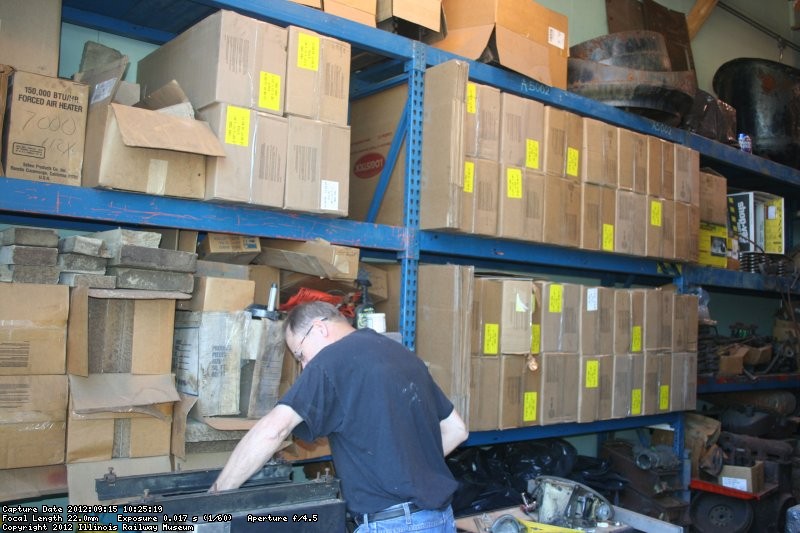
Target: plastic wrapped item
[793,519]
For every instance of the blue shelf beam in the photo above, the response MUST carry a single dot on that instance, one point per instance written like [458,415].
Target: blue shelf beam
[709,385]
[694,275]
[63,201]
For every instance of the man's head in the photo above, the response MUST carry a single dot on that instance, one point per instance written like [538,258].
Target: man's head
[311,326]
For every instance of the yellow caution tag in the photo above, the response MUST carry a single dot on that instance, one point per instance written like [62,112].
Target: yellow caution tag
[532,154]
[663,398]
[655,213]
[269,91]
[530,402]
[491,339]
[636,401]
[514,182]
[469,176]
[608,237]
[237,126]
[636,339]
[592,374]
[556,301]
[472,98]
[536,338]
[573,161]
[308,52]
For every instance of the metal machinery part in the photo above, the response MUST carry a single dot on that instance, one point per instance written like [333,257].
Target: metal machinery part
[565,503]
[313,506]
[712,513]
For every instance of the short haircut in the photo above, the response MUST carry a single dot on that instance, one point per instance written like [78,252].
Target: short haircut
[301,316]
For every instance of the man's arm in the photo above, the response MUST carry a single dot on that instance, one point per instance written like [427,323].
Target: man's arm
[454,432]
[256,447]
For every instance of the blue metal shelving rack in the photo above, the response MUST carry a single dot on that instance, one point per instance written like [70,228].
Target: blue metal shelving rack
[47,204]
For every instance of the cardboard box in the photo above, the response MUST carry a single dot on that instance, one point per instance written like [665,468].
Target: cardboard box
[599,210]
[444,305]
[693,232]
[262,275]
[522,133]
[573,167]
[744,478]
[658,382]
[556,317]
[425,13]
[482,128]
[146,151]
[129,336]
[599,153]
[622,321]
[361,11]
[317,257]
[637,319]
[555,141]
[713,198]
[560,379]
[519,391]
[5,74]
[562,211]
[505,315]
[33,328]
[596,321]
[244,63]
[654,236]
[687,175]
[671,178]
[758,222]
[33,422]
[511,203]
[632,209]
[732,363]
[480,201]
[254,167]
[668,229]
[534,195]
[594,393]
[484,397]
[53,153]
[656,167]
[683,395]
[521,35]
[30,35]
[261,369]
[628,385]
[317,167]
[229,248]
[207,359]
[317,77]
[219,294]
[683,236]
[712,244]
[633,160]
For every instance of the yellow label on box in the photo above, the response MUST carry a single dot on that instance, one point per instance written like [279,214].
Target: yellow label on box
[469,176]
[636,401]
[491,339]
[608,237]
[308,51]
[636,339]
[237,126]
[556,301]
[663,398]
[472,98]
[514,183]
[530,402]
[269,91]
[573,161]
[532,154]
[536,338]
[592,374]
[655,213]
[773,227]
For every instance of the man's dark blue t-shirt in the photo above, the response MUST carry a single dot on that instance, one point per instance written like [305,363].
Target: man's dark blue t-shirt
[380,409]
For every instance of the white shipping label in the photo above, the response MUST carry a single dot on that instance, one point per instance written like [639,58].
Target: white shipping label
[556,37]
[103,90]
[329,195]
[734,483]
[591,299]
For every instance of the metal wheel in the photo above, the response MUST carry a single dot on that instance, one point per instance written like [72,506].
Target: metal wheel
[714,513]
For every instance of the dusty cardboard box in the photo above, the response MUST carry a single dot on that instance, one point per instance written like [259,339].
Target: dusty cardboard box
[33,328]
[744,478]
[554,155]
[479,213]
[555,317]
[519,34]
[511,203]
[668,229]
[219,294]
[146,151]
[30,35]
[655,168]
[261,367]
[654,236]
[317,257]
[521,132]
[317,163]
[656,393]
[573,166]
[596,320]
[226,248]
[129,336]
[560,374]
[687,175]
[207,359]
[562,211]
[263,276]
[33,423]
[484,400]
[425,13]
[599,209]
[244,63]
[317,76]
[599,153]
[594,393]
[254,167]
[517,382]
[632,209]
[482,128]
[732,363]
[361,11]
[54,153]
[633,160]
[534,194]
[505,316]
[713,198]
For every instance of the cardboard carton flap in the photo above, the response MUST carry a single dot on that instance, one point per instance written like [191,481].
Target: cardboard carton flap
[143,128]
[121,392]
[467,42]
[169,95]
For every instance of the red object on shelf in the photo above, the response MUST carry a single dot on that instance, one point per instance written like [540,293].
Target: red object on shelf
[707,486]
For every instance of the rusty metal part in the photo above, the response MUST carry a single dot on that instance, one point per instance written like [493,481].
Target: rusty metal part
[743,450]
[643,50]
[662,96]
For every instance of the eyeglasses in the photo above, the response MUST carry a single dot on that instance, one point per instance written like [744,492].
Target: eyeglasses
[298,351]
